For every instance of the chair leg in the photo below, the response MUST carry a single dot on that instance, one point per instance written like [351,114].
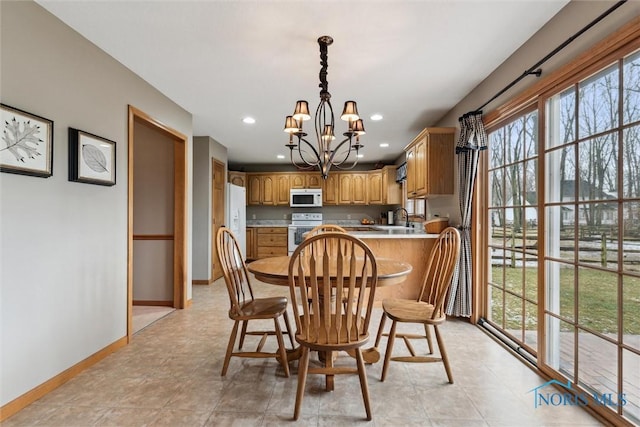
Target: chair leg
[362,373]
[243,333]
[281,348]
[303,367]
[288,326]
[427,333]
[387,354]
[232,341]
[443,354]
[383,319]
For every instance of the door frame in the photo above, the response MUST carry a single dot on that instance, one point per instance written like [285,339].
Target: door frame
[213,220]
[180,211]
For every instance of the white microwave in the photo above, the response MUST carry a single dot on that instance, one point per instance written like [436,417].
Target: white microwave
[305,198]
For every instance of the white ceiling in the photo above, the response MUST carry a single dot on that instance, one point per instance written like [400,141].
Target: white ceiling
[411,61]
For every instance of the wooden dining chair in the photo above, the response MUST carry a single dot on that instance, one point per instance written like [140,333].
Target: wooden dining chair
[245,307]
[327,324]
[331,244]
[427,308]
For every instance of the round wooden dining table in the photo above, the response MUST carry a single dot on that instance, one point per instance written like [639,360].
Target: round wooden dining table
[275,271]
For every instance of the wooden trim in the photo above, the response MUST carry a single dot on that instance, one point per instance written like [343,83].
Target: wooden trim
[31,396]
[180,224]
[153,303]
[202,282]
[628,35]
[188,303]
[153,237]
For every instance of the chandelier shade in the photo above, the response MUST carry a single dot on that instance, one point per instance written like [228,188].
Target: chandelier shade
[322,155]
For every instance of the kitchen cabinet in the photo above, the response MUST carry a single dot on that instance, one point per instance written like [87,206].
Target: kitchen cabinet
[382,188]
[375,188]
[430,163]
[251,243]
[237,178]
[271,241]
[267,189]
[352,188]
[282,189]
[330,190]
[261,189]
[306,180]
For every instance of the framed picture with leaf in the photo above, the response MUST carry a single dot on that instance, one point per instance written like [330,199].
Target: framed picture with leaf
[27,143]
[92,159]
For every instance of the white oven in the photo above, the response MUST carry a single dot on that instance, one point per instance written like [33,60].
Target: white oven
[305,198]
[301,223]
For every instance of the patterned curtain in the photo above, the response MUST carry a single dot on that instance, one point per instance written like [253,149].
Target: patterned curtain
[473,139]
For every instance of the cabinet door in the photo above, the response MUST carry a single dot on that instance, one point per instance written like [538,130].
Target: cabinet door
[421,167]
[411,171]
[359,188]
[282,194]
[330,190]
[268,190]
[314,180]
[254,193]
[251,243]
[237,178]
[375,186]
[345,189]
[298,180]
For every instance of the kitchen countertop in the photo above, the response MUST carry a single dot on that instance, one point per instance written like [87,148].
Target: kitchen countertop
[268,223]
[390,232]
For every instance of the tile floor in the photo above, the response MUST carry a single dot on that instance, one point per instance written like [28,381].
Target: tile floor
[170,375]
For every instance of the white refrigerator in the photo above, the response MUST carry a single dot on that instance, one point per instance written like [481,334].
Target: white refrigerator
[236,215]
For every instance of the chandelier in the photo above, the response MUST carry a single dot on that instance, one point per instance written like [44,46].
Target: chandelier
[323,156]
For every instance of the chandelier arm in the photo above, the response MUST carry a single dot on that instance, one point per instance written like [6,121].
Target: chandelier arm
[315,152]
[334,152]
[298,166]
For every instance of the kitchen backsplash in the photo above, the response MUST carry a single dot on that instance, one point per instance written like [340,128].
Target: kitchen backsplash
[354,214]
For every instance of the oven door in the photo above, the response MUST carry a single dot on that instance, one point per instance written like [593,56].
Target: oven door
[296,236]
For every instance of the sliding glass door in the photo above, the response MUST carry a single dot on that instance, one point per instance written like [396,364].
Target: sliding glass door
[563,247]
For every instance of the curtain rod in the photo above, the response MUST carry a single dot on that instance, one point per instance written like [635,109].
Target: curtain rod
[534,70]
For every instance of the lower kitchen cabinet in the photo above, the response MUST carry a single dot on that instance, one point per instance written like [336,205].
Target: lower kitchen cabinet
[271,241]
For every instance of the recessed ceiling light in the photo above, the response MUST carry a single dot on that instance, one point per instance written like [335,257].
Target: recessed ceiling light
[384,145]
[280,156]
[376,117]
[249,120]
[360,156]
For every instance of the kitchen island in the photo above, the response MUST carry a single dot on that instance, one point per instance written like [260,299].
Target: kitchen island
[402,244]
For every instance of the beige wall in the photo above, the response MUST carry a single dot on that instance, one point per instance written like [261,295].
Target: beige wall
[205,149]
[63,245]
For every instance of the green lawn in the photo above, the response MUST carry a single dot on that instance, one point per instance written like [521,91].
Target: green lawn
[597,295]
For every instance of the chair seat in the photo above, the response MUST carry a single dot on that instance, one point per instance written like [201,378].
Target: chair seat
[403,310]
[261,308]
[321,343]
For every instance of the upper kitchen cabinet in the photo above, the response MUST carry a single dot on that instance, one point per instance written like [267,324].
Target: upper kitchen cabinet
[430,163]
[330,190]
[268,189]
[352,188]
[306,180]
[382,188]
[237,178]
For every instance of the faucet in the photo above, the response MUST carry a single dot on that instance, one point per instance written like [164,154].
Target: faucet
[406,216]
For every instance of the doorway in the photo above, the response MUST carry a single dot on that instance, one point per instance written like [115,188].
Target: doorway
[157,208]
[217,211]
